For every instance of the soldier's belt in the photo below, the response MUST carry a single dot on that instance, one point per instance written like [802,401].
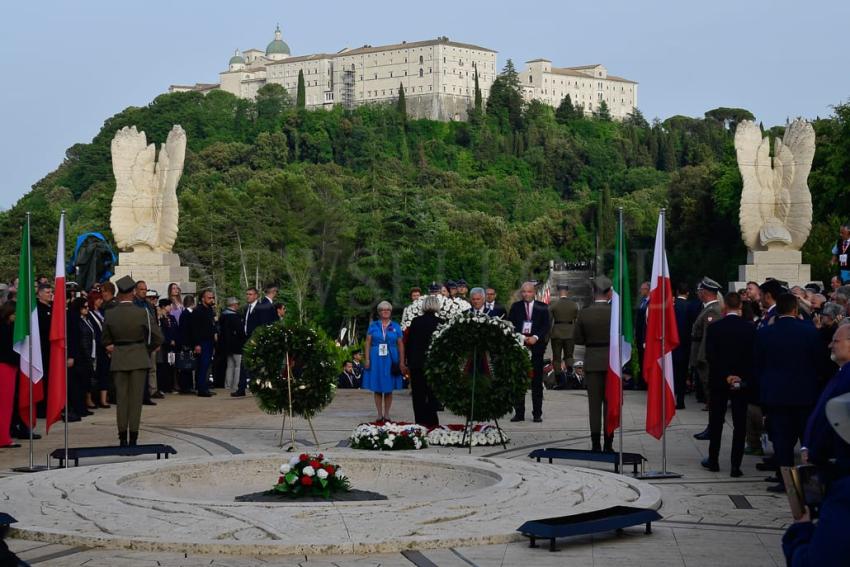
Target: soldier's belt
[128,343]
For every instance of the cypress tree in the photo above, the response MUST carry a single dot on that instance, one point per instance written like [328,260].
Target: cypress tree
[401,105]
[566,111]
[301,97]
[478,102]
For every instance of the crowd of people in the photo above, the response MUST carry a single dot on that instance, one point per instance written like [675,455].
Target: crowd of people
[129,346]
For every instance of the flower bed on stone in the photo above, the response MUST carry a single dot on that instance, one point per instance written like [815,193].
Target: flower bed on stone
[308,475]
[483,434]
[389,436]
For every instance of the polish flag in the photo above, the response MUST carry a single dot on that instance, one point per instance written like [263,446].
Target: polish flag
[58,376]
[658,365]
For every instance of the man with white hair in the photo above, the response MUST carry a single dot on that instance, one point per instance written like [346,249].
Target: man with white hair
[531,318]
[476,301]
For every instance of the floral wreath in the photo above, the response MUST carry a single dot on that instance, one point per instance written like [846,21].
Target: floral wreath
[389,436]
[457,435]
[501,366]
[310,364]
[310,475]
[449,307]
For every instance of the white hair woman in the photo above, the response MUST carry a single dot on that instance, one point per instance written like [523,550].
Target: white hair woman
[384,364]
[419,334]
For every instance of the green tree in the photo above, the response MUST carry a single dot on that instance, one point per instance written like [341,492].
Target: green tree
[401,103]
[478,100]
[635,118]
[602,112]
[729,117]
[272,100]
[301,96]
[505,103]
[566,111]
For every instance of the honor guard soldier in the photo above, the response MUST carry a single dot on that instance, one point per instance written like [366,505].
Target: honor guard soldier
[592,329]
[564,312]
[707,291]
[129,335]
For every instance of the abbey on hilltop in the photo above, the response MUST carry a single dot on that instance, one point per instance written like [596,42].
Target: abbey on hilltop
[438,76]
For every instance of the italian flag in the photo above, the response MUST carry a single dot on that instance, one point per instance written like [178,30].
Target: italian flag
[658,363]
[58,374]
[27,342]
[621,333]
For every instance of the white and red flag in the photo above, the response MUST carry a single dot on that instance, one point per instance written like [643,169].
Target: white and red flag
[662,337]
[57,381]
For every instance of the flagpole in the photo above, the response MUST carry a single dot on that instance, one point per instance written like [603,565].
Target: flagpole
[65,340]
[662,220]
[620,325]
[29,285]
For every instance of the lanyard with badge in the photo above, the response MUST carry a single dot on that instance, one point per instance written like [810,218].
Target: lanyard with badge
[526,325]
[842,258]
[383,349]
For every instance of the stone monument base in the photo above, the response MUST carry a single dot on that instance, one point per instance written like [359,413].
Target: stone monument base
[785,265]
[157,269]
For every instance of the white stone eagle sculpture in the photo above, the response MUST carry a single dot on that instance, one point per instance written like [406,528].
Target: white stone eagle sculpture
[144,207]
[776,205]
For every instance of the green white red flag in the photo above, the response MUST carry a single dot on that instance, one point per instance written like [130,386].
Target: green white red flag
[26,339]
[621,332]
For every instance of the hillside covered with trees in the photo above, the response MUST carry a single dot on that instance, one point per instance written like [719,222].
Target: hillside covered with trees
[347,207]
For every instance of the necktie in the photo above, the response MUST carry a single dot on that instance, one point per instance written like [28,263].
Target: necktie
[248,316]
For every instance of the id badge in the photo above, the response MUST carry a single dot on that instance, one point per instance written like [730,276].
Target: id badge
[842,259]
[526,327]
[383,350]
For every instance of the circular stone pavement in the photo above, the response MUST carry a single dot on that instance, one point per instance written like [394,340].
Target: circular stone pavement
[189,505]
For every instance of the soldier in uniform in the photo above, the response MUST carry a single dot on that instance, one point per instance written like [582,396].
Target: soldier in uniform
[564,312]
[707,291]
[592,329]
[129,335]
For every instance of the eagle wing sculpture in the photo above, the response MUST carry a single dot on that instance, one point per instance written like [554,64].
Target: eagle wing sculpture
[776,206]
[144,206]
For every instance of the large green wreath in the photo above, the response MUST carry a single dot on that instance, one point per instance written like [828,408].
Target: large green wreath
[501,372]
[310,365]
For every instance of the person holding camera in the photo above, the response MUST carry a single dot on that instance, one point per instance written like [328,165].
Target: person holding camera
[729,347]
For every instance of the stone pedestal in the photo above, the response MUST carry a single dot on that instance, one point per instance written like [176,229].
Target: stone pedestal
[785,265]
[157,269]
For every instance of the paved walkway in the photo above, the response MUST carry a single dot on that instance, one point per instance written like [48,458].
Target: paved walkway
[703,524]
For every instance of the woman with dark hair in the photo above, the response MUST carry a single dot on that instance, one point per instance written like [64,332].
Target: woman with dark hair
[101,386]
[82,354]
[9,361]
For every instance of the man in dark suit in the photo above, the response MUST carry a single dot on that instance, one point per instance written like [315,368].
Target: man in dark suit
[686,313]
[531,318]
[204,336]
[257,313]
[593,330]
[640,331]
[787,354]
[729,347]
[476,301]
[491,306]
[44,306]
[347,379]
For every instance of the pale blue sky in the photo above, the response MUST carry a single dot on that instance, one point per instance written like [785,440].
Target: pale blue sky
[67,66]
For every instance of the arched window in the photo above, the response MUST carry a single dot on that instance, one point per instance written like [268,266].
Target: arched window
[421,60]
[421,72]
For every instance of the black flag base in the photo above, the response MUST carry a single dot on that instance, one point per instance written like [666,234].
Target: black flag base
[658,475]
[31,469]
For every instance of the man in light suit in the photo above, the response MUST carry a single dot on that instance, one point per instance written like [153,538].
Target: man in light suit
[531,318]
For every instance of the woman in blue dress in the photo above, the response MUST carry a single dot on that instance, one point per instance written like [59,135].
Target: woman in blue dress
[383,366]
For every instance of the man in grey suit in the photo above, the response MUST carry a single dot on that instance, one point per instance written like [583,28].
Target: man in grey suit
[129,335]
[592,329]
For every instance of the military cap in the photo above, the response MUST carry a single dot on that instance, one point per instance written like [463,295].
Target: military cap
[231,301]
[601,284]
[152,293]
[709,284]
[462,283]
[561,286]
[451,284]
[164,302]
[434,287]
[125,284]
[813,287]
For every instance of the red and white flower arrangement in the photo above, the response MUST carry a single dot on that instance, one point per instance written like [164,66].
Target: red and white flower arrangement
[389,436]
[310,475]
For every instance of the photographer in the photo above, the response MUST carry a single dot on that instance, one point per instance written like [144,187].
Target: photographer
[827,445]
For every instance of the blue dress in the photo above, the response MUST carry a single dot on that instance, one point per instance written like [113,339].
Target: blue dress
[379,377]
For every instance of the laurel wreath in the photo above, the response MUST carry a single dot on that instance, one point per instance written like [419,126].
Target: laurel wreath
[311,369]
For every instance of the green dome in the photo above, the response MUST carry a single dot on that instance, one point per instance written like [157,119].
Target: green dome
[236,59]
[277,46]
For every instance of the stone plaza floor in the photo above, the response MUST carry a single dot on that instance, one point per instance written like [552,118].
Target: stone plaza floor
[709,518]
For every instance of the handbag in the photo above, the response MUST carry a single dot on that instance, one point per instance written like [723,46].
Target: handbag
[185,360]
